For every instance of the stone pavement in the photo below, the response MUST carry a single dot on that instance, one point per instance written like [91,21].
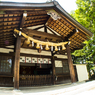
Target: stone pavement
[83,88]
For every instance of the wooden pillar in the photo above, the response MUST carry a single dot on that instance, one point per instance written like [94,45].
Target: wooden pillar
[53,68]
[16,63]
[71,68]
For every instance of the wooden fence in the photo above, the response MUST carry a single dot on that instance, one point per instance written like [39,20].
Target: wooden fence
[35,80]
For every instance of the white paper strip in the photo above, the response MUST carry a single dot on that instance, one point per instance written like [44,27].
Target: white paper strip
[34,60]
[22,59]
[40,60]
[28,59]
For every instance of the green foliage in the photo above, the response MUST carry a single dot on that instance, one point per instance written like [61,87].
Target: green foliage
[89,66]
[85,15]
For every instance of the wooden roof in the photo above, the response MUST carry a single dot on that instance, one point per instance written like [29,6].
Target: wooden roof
[62,29]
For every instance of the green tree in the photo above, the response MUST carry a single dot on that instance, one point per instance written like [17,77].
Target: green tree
[85,14]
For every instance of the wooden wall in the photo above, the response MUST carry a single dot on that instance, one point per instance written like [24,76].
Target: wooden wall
[31,80]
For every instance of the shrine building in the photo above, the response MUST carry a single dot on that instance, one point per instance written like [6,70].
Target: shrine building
[36,41]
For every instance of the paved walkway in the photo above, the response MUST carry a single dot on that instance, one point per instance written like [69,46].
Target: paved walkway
[83,88]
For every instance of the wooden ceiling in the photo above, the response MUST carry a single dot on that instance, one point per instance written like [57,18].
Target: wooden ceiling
[61,29]
[12,19]
[66,30]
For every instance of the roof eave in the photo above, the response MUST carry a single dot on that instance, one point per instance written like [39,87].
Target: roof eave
[57,5]
[19,4]
[53,4]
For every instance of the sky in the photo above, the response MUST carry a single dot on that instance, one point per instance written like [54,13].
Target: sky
[68,5]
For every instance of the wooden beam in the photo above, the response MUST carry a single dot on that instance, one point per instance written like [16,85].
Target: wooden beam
[35,20]
[23,19]
[6,47]
[10,29]
[28,20]
[7,36]
[34,24]
[51,31]
[16,63]
[71,68]
[45,28]
[12,26]
[5,54]
[29,12]
[41,34]
[19,17]
[53,67]
[13,17]
[34,55]
[7,43]
[8,32]
[38,27]
[24,25]
[3,8]
[7,39]
[10,12]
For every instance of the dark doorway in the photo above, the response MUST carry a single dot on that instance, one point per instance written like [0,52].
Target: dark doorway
[38,69]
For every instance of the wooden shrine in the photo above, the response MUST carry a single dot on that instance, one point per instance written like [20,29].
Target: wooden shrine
[36,41]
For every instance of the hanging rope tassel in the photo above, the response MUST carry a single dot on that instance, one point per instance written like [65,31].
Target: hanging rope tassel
[27,41]
[56,49]
[63,47]
[47,48]
[41,42]
[37,45]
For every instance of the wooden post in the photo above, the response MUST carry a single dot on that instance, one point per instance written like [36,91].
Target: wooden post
[16,63]
[71,68]
[53,68]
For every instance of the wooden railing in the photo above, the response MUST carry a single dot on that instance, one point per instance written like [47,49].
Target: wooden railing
[35,80]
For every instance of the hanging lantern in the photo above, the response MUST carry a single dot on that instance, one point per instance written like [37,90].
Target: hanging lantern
[47,48]
[37,45]
[51,48]
[27,41]
[56,49]
[32,43]
[63,47]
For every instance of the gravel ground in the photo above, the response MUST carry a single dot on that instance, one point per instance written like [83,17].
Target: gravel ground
[83,88]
